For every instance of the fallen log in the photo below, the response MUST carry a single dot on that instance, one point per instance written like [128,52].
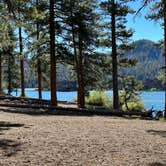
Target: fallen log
[31,100]
[23,106]
[53,110]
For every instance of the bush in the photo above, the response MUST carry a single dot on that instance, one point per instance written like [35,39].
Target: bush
[134,102]
[153,89]
[134,106]
[99,99]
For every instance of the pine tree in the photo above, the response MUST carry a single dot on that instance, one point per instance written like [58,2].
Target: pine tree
[11,73]
[52,54]
[17,9]
[164,10]
[4,37]
[37,22]
[158,12]
[78,22]
[115,36]
[8,60]
[114,57]
[130,90]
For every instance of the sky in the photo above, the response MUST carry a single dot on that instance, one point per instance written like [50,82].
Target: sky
[144,29]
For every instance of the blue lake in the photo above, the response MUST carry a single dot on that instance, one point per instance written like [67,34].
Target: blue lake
[155,99]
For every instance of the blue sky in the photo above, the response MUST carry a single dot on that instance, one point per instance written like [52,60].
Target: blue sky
[144,29]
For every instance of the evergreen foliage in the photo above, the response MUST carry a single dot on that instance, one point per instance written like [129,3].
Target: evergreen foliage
[11,73]
[117,37]
[130,92]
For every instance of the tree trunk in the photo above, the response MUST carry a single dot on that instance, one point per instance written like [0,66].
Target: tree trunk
[21,63]
[76,63]
[78,66]
[9,74]
[81,91]
[114,60]
[39,78]
[164,9]
[126,102]
[52,55]
[39,62]
[79,71]
[0,74]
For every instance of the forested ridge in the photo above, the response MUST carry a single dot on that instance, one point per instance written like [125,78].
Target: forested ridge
[150,61]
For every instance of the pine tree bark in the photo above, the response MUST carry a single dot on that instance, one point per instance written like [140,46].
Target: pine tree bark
[39,78]
[114,59]
[81,92]
[0,74]
[52,56]
[76,63]
[39,62]
[9,75]
[78,58]
[164,10]
[21,63]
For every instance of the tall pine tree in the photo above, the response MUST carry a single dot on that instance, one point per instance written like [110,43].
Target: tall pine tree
[116,37]
[80,38]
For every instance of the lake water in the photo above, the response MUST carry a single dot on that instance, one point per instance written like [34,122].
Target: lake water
[155,99]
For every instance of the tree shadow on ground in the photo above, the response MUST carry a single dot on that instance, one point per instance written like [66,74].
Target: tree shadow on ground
[157,164]
[7,125]
[47,112]
[138,118]
[9,147]
[157,132]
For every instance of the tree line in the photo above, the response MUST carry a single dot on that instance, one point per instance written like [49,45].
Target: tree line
[89,35]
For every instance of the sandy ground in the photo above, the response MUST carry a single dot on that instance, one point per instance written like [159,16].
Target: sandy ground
[39,140]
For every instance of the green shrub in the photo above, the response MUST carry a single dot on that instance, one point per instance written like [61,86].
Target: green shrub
[134,106]
[75,98]
[133,101]
[99,99]
[153,89]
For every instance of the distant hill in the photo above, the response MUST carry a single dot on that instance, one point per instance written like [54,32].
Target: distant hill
[150,61]
[149,57]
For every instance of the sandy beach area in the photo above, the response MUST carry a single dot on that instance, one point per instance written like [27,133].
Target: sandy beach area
[63,140]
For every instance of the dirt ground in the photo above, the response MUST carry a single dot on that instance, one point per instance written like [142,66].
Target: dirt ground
[49,140]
